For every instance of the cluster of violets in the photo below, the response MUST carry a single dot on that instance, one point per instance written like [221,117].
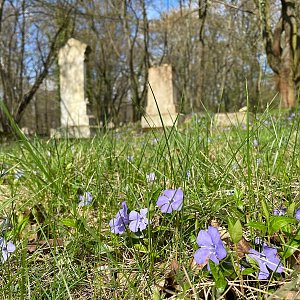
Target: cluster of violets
[212,248]
[169,201]
[209,241]
[136,220]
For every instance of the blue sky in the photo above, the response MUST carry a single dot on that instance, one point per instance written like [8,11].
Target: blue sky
[159,6]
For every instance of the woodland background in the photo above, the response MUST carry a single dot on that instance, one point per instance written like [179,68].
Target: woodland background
[221,51]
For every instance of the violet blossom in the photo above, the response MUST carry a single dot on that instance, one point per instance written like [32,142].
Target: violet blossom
[85,199]
[266,260]
[138,221]
[279,211]
[297,214]
[150,177]
[188,175]
[117,224]
[211,247]
[170,200]
[6,249]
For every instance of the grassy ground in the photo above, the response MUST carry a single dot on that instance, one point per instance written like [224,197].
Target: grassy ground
[232,179]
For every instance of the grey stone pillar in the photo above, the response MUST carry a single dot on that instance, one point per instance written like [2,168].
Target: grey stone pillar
[76,117]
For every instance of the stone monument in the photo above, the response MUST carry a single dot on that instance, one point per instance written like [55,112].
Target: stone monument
[233,119]
[76,118]
[162,90]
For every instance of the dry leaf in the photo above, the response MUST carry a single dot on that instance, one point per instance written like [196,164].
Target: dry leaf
[243,247]
[45,245]
[169,284]
[289,291]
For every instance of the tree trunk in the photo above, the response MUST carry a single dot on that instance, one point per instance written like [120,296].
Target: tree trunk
[202,14]
[286,87]
[283,49]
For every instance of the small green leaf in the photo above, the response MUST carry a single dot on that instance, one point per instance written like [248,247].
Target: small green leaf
[21,224]
[288,250]
[102,248]
[214,269]
[240,204]
[140,248]
[69,222]
[221,284]
[278,222]
[248,271]
[156,294]
[265,210]
[220,281]
[257,225]
[297,236]
[236,231]
[291,209]
[239,195]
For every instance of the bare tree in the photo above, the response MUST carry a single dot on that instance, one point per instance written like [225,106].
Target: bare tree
[282,45]
[213,47]
[202,14]
[137,51]
[29,48]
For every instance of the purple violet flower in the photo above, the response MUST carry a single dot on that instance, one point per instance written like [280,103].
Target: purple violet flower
[18,174]
[170,200]
[138,221]
[266,259]
[211,247]
[279,211]
[123,213]
[150,177]
[130,157]
[255,143]
[6,249]
[85,199]
[291,116]
[117,224]
[188,175]
[258,161]
[297,214]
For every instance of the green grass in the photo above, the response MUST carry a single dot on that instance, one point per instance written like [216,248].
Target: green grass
[67,252]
